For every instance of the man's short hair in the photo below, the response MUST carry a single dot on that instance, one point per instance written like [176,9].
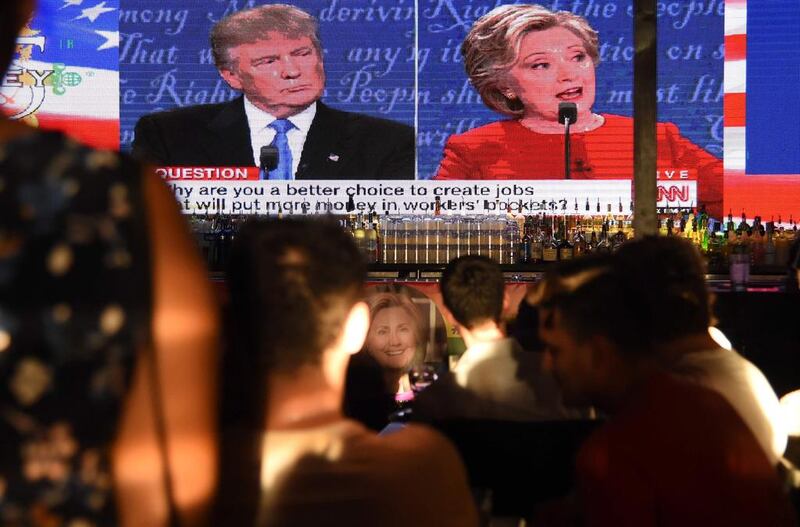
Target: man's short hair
[472,290]
[668,275]
[558,278]
[292,284]
[653,292]
[597,302]
[251,25]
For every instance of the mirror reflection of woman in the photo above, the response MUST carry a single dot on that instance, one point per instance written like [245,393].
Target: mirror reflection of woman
[524,60]
[396,338]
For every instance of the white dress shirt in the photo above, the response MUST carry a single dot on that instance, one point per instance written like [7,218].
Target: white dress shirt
[746,389]
[262,135]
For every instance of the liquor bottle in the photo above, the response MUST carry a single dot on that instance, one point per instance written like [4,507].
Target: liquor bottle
[743,227]
[566,251]
[603,244]
[388,239]
[416,246]
[703,215]
[375,240]
[783,245]
[550,245]
[730,226]
[403,239]
[511,244]
[770,249]
[525,247]
[371,240]
[579,243]
[760,226]
[537,241]
[757,242]
[592,245]
[704,237]
[619,237]
[663,226]
[438,243]
[449,237]
[715,250]
[360,234]
[689,226]
[739,264]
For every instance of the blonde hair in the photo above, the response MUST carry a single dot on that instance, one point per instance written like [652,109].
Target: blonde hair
[251,25]
[380,301]
[492,47]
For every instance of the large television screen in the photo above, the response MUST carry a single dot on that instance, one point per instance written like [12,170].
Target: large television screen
[392,103]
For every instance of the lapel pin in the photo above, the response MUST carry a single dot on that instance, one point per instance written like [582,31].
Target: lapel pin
[333,157]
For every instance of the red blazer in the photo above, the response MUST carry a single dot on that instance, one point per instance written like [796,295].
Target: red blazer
[508,150]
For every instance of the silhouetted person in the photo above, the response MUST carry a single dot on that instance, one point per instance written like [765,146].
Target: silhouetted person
[669,274]
[108,336]
[494,378]
[298,310]
[673,453]
[793,272]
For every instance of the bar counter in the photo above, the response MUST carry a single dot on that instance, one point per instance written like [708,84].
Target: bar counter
[761,320]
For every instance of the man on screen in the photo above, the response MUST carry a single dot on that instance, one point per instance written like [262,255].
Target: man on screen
[273,55]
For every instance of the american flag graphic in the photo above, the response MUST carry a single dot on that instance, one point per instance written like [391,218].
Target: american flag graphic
[735,85]
[762,138]
[65,75]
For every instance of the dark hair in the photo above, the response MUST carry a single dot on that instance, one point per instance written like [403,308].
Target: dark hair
[292,284]
[9,18]
[601,304]
[534,313]
[667,276]
[793,266]
[472,289]
[554,280]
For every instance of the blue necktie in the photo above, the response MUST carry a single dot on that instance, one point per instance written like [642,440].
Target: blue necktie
[281,142]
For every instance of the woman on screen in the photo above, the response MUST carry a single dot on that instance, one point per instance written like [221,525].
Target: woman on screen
[524,60]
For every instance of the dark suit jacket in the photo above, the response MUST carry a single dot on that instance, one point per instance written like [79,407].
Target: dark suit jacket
[362,147]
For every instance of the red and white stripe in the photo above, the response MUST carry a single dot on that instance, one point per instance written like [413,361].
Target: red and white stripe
[735,86]
[766,195]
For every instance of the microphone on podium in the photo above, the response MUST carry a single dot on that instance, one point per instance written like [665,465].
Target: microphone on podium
[567,115]
[269,159]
